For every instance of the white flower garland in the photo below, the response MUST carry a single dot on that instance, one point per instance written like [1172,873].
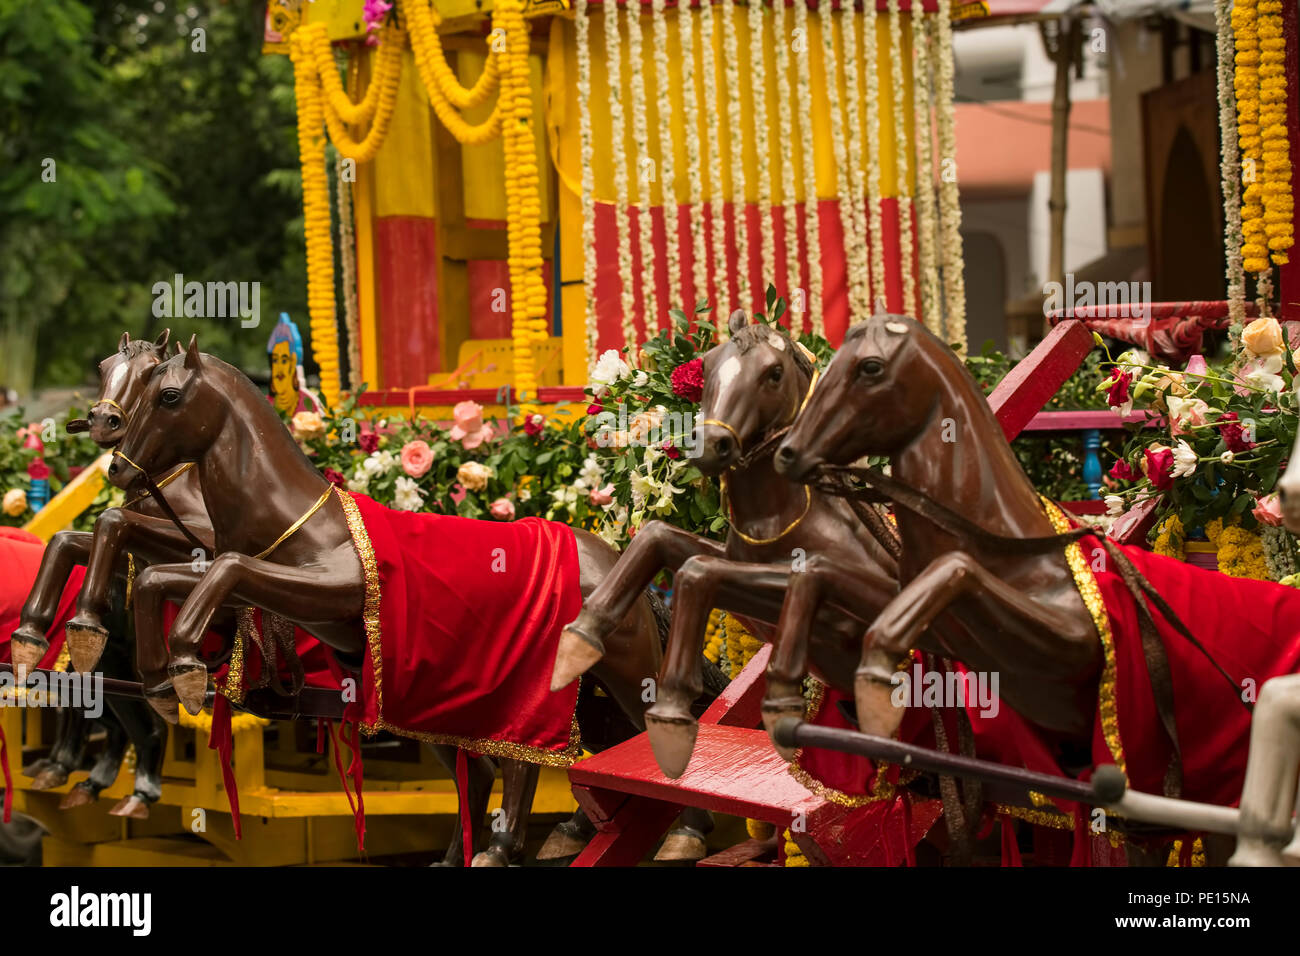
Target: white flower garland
[811,207]
[736,138]
[954,283]
[927,224]
[851,245]
[861,285]
[641,137]
[1230,165]
[582,23]
[905,267]
[690,132]
[762,141]
[721,297]
[667,176]
[785,140]
[348,270]
[613,57]
[875,149]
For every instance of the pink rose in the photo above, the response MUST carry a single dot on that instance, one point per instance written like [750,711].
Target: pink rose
[503,509]
[1159,466]
[1268,510]
[602,496]
[417,457]
[468,426]
[1196,366]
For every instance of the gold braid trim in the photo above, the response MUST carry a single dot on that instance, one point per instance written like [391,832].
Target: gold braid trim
[881,788]
[1088,590]
[370,617]
[232,688]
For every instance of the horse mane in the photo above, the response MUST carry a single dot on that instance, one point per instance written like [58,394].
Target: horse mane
[756,333]
[138,347]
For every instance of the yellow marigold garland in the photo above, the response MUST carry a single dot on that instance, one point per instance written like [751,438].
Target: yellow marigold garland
[388,62]
[316,215]
[388,78]
[793,855]
[423,21]
[1240,552]
[1171,539]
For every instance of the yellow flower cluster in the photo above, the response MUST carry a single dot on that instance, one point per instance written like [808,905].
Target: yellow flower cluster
[387,66]
[793,855]
[1170,538]
[725,634]
[1259,82]
[387,76]
[316,214]
[1241,552]
[238,722]
[445,94]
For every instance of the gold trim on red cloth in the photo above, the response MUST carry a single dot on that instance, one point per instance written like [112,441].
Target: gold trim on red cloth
[881,788]
[1091,594]
[370,618]
[232,688]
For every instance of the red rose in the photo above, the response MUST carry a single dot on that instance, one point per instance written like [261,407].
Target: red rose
[38,470]
[671,450]
[1160,468]
[534,425]
[369,442]
[335,478]
[1123,471]
[595,408]
[688,380]
[1117,394]
[1234,436]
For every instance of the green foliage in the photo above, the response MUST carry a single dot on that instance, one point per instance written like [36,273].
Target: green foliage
[65,455]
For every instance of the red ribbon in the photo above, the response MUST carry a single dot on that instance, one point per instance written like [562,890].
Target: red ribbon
[462,794]
[1010,849]
[908,856]
[222,741]
[9,780]
[354,770]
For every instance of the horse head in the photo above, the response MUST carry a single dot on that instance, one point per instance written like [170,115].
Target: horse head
[877,395]
[122,378]
[754,384]
[173,419]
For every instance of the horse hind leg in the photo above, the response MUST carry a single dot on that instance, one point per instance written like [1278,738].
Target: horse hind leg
[147,731]
[105,769]
[481,773]
[686,841]
[68,751]
[1269,793]
[510,823]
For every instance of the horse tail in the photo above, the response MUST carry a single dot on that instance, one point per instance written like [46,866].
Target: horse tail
[715,681]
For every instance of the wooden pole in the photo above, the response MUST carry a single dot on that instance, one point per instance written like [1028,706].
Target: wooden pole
[1062,52]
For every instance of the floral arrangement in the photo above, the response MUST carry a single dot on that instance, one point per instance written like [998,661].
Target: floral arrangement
[34,451]
[1212,462]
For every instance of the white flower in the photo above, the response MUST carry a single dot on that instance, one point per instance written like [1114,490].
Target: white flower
[1114,505]
[523,494]
[609,369]
[565,496]
[1227,457]
[407,496]
[591,473]
[665,505]
[1262,372]
[639,378]
[378,464]
[643,487]
[359,482]
[1185,460]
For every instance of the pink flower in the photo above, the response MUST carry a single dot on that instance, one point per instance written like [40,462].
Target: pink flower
[1196,366]
[1123,471]
[1159,466]
[688,380]
[1268,510]
[1234,436]
[336,478]
[503,509]
[38,470]
[671,450]
[368,442]
[417,457]
[458,493]
[469,428]
[1117,394]
[534,425]
[595,408]
[602,496]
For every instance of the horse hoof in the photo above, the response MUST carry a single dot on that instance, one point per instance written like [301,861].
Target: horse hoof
[492,856]
[877,713]
[79,796]
[25,654]
[563,842]
[773,711]
[49,778]
[132,806]
[682,844]
[35,767]
[163,700]
[672,733]
[575,654]
[86,641]
[191,687]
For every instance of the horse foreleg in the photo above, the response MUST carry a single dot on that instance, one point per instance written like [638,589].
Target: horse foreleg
[147,731]
[29,643]
[852,589]
[481,773]
[657,546]
[702,584]
[105,768]
[896,630]
[332,593]
[116,531]
[510,823]
[1269,792]
[71,729]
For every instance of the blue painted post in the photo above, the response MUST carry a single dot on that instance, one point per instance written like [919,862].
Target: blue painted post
[1092,461]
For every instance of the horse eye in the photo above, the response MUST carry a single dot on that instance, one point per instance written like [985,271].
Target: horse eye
[170,396]
[775,374]
[870,367]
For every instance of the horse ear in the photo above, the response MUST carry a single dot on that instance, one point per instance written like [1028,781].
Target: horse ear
[737,321]
[124,341]
[162,340]
[192,361]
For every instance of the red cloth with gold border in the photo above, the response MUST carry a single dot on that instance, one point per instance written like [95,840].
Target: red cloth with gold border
[20,556]
[463,619]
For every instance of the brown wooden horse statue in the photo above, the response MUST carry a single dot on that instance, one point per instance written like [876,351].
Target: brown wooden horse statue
[258,484]
[789,547]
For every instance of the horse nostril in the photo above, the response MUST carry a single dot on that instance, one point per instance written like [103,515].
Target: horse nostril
[722,446]
[785,455]
[114,422]
[112,468]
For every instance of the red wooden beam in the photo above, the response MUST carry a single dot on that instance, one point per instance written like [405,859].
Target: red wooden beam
[1029,386]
